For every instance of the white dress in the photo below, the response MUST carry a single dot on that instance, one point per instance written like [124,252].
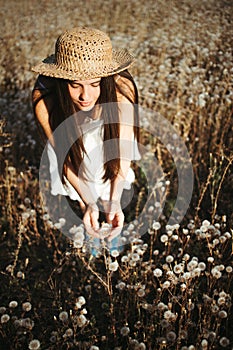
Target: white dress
[93,162]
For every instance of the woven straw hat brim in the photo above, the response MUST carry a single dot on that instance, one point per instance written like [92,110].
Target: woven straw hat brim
[121,60]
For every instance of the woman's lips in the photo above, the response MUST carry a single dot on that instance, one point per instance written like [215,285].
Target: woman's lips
[84,103]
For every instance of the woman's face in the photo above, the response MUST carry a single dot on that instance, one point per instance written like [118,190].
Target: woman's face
[85,93]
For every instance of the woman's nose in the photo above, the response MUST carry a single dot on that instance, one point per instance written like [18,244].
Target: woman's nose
[84,94]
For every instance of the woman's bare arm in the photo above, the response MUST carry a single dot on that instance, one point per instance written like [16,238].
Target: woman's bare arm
[85,192]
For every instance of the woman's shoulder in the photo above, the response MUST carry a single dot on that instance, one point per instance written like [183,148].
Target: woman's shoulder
[44,83]
[42,92]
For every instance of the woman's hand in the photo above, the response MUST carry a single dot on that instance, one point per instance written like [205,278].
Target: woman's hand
[114,217]
[90,219]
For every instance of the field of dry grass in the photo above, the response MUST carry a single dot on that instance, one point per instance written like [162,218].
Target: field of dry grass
[171,288]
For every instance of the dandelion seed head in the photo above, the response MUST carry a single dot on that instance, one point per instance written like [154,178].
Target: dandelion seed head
[125,233]
[125,331]
[140,251]
[79,235]
[164,238]
[185,231]
[212,336]
[204,344]
[78,243]
[202,266]
[156,252]
[53,339]
[124,258]
[166,284]
[141,292]
[161,306]
[13,304]
[26,306]
[216,273]
[2,309]
[69,332]
[164,323]
[214,308]
[18,323]
[27,323]
[62,221]
[191,265]
[175,237]
[25,216]
[9,268]
[76,229]
[206,223]
[191,347]
[5,318]
[20,274]
[196,272]
[183,286]
[220,267]
[84,311]
[131,227]
[63,316]
[169,259]
[224,342]
[222,314]
[210,259]
[168,315]
[115,253]
[80,302]
[229,269]
[221,300]
[58,225]
[150,209]
[186,257]
[45,217]
[135,257]
[94,347]
[183,334]
[34,344]
[179,268]
[227,235]
[113,266]
[156,225]
[140,346]
[171,336]
[157,272]
[204,229]
[133,342]
[186,276]
[222,239]
[121,285]
[81,320]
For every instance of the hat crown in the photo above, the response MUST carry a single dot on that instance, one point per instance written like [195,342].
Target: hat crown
[84,53]
[81,49]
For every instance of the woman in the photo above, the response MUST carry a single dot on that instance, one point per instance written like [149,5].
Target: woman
[88,80]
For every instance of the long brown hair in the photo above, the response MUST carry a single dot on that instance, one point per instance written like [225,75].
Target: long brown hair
[63,107]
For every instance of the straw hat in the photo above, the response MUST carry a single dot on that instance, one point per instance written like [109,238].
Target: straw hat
[84,53]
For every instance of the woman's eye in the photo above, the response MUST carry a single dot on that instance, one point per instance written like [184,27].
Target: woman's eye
[96,84]
[74,85]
